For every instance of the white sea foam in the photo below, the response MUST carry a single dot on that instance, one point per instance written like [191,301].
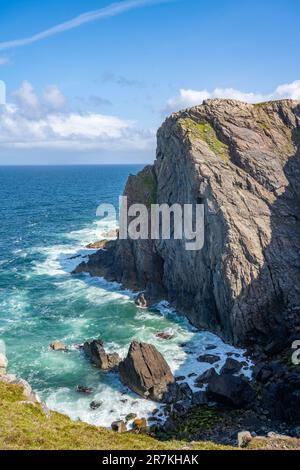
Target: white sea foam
[14,305]
[60,259]
[116,404]
[93,233]
[2,347]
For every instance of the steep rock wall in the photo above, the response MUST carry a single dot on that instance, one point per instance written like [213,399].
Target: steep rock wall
[243,162]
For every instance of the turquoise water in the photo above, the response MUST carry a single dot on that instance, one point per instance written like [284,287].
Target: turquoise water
[47,218]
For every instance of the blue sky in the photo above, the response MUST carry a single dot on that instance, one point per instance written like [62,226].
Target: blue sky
[97,92]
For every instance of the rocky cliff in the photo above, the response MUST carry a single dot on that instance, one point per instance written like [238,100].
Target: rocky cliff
[243,162]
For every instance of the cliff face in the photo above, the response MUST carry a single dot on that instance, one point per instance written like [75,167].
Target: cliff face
[243,162]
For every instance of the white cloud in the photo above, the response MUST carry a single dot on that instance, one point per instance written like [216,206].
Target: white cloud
[187,97]
[29,123]
[108,11]
[231,93]
[54,97]
[31,105]
[26,97]
[88,126]
[289,90]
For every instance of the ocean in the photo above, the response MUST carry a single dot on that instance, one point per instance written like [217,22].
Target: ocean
[47,217]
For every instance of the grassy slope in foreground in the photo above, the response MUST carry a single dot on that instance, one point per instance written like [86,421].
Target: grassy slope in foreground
[25,426]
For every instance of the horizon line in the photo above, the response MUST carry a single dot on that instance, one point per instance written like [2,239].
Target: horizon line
[70,164]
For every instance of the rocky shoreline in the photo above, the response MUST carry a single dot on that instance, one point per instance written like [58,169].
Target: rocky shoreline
[227,409]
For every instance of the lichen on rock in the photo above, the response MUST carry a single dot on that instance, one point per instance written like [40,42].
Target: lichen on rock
[205,132]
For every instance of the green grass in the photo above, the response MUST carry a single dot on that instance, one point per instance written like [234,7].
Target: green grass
[267,103]
[196,421]
[261,443]
[262,104]
[205,132]
[25,426]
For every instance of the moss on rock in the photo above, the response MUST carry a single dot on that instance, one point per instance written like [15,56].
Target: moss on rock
[205,132]
[150,185]
[197,421]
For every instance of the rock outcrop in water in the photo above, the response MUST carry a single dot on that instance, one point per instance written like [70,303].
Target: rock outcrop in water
[242,162]
[58,346]
[95,351]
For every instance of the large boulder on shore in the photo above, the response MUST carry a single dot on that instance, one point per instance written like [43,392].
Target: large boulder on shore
[118,426]
[230,390]
[145,371]
[95,351]
[177,393]
[282,397]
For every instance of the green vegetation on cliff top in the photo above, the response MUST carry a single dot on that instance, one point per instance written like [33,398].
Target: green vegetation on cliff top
[26,426]
[205,132]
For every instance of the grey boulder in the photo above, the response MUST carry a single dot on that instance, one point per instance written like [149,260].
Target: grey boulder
[230,390]
[146,372]
[95,351]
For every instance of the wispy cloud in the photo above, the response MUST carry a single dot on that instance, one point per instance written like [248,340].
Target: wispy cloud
[110,77]
[109,11]
[98,101]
